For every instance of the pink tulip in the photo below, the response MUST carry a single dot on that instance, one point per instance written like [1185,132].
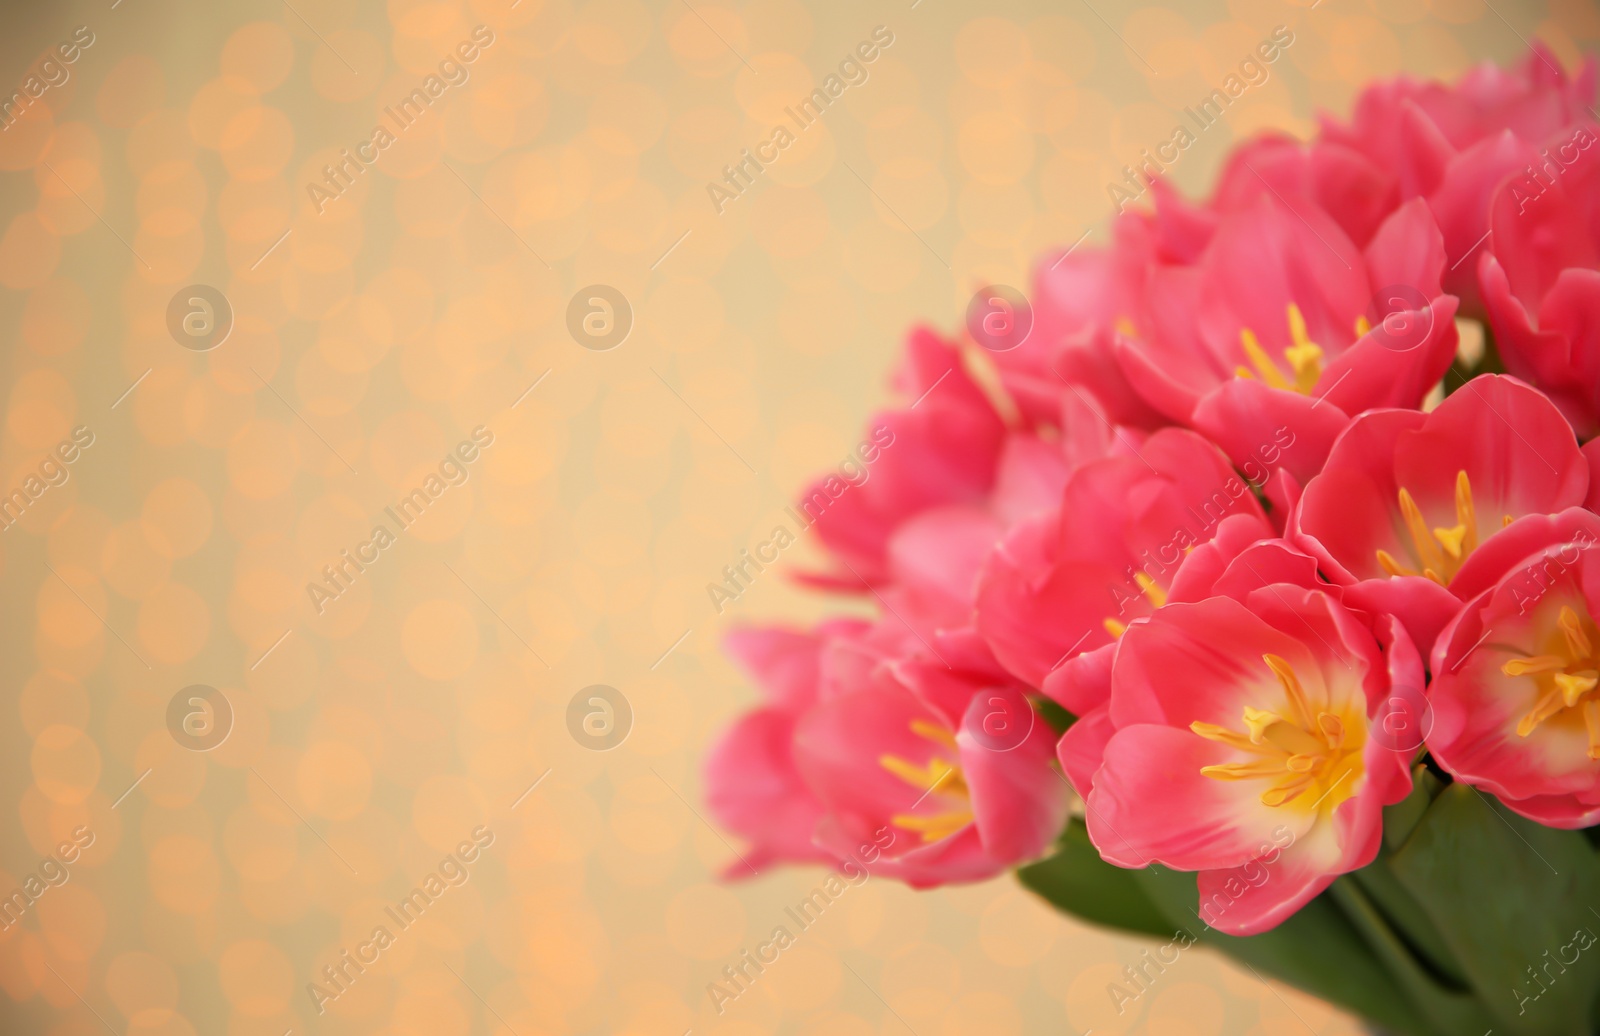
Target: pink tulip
[1235,562]
[1515,707]
[1406,498]
[858,715]
[1285,329]
[1353,190]
[1456,145]
[1072,578]
[1541,286]
[752,786]
[965,797]
[1080,296]
[1242,747]
[942,449]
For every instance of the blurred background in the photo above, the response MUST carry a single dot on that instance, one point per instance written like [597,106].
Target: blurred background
[277,275]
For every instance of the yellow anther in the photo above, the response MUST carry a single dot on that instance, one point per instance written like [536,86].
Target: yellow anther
[1391,566]
[1157,596]
[1301,754]
[934,827]
[1231,738]
[1115,628]
[1303,355]
[933,732]
[1562,681]
[1440,551]
[1260,360]
[1363,325]
[1535,664]
[1306,360]
[1577,639]
[1466,514]
[1243,771]
[1298,704]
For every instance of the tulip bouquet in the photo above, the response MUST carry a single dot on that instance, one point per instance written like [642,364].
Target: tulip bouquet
[1251,597]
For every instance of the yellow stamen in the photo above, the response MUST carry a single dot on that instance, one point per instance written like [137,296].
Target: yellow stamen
[1231,738]
[1426,548]
[1562,681]
[918,776]
[938,774]
[1547,706]
[1291,686]
[1300,751]
[1440,550]
[1363,325]
[1115,628]
[1285,792]
[1157,596]
[1305,356]
[1577,640]
[1535,664]
[1391,566]
[1243,771]
[936,826]
[1260,360]
[933,732]
[1466,514]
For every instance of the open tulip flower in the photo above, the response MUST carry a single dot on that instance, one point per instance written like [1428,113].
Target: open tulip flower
[1517,699]
[1541,284]
[1246,601]
[1284,324]
[1406,498]
[1242,728]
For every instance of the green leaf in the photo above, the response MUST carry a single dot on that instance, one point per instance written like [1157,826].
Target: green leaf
[1317,950]
[1400,819]
[1058,718]
[1448,1007]
[1509,896]
[1077,881]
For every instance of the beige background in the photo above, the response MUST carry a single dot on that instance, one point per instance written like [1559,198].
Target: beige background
[423,302]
